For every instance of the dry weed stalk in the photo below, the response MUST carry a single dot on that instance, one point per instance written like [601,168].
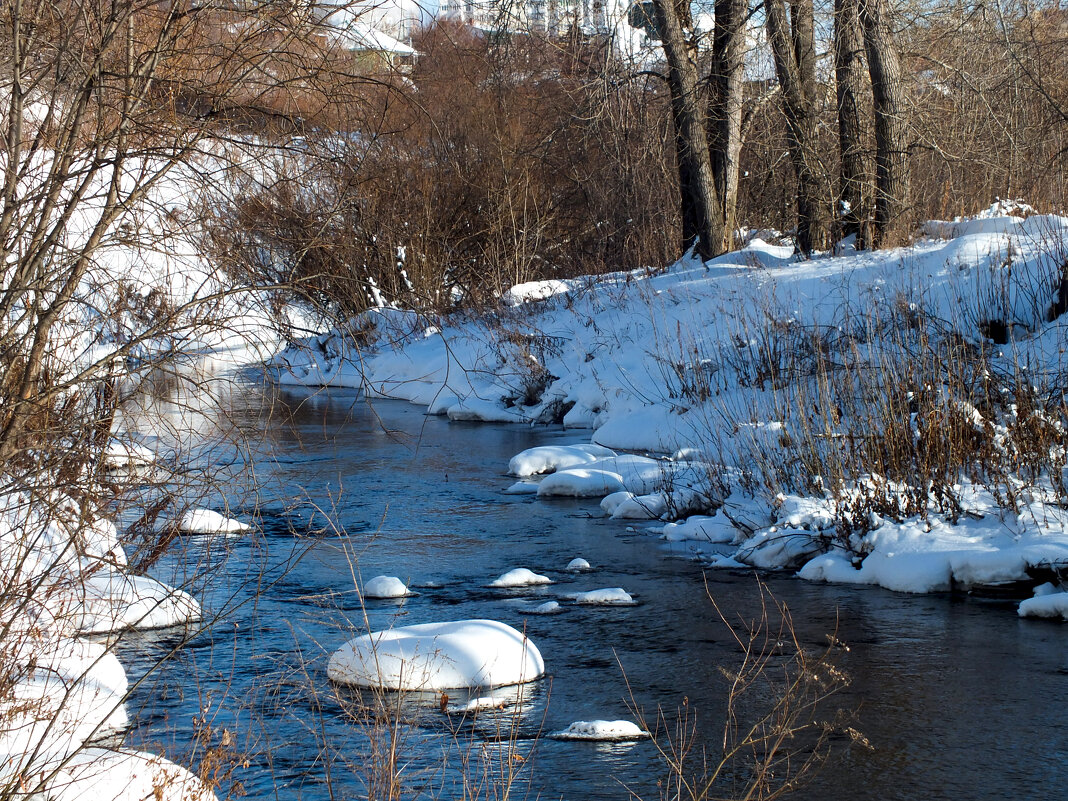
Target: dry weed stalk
[776,732]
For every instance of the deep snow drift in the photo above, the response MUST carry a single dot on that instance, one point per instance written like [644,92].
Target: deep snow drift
[699,371]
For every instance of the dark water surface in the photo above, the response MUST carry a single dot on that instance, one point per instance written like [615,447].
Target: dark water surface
[958,697]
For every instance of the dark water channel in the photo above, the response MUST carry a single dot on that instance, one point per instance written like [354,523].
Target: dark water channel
[958,697]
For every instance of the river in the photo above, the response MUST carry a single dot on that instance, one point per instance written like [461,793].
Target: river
[958,697]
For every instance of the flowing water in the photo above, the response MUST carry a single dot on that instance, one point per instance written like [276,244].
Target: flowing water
[958,697]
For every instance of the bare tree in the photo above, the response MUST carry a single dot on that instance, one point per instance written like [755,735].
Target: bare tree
[793,44]
[701,207]
[891,134]
[854,190]
[727,95]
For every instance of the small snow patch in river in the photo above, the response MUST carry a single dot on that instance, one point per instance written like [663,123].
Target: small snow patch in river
[520,577]
[578,564]
[601,730]
[609,596]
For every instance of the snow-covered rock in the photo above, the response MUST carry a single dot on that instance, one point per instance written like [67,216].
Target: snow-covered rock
[438,656]
[577,565]
[581,483]
[547,608]
[121,775]
[1048,602]
[609,596]
[520,577]
[385,587]
[604,730]
[208,521]
[549,458]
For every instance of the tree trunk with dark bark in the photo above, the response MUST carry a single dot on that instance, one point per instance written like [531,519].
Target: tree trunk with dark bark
[793,44]
[727,85]
[854,179]
[700,201]
[891,144]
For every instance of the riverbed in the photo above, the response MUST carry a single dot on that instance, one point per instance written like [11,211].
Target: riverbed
[957,696]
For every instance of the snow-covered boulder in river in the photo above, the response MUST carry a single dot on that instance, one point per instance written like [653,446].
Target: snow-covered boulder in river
[520,577]
[207,521]
[438,656]
[385,587]
[602,730]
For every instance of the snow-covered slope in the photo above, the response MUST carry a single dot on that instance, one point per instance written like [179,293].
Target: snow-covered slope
[724,364]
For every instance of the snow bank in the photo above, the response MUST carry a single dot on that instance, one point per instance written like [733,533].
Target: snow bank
[520,577]
[438,656]
[633,357]
[123,775]
[602,730]
[385,587]
[207,521]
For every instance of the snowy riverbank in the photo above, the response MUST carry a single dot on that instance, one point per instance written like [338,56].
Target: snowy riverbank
[763,377]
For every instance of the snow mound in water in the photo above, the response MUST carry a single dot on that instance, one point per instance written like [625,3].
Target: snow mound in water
[641,507]
[701,528]
[609,596]
[611,730]
[578,564]
[438,656]
[207,521]
[549,458]
[520,577]
[547,608]
[123,775]
[522,488]
[1048,602]
[581,483]
[385,587]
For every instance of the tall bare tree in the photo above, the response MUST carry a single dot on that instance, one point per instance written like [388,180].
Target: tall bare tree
[727,90]
[891,134]
[701,208]
[854,190]
[793,44]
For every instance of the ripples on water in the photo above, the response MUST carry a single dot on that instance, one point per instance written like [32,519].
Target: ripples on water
[959,698]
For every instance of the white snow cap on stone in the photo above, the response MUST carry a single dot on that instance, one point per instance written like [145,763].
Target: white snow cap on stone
[549,458]
[612,730]
[606,597]
[578,564]
[438,656]
[207,521]
[520,577]
[385,587]
[547,608]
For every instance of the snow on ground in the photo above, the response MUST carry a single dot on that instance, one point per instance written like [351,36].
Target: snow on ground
[602,730]
[208,521]
[683,361]
[520,577]
[64,579]
[438,656]
[385,587]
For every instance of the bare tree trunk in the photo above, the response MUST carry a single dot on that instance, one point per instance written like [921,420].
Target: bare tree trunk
[891,145]
[794,48]
[727,83]
[700,201]
[854,190]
